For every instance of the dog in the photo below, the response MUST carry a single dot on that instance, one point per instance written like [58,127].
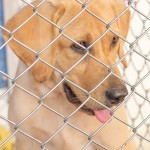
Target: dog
[65,89]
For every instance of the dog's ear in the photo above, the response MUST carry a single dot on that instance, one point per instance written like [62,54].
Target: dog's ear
[123,23]
[30,33]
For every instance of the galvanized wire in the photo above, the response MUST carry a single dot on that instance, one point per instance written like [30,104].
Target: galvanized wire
[133,48]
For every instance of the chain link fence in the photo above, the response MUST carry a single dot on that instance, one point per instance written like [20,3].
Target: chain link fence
[139,64]
[137,75]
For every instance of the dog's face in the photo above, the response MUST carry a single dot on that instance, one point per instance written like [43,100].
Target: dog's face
[94,68]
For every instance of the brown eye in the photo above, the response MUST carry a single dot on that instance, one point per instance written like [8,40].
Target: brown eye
[78,48]
[115,40]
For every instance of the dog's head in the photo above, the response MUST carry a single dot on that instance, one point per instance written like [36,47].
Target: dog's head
[75,40]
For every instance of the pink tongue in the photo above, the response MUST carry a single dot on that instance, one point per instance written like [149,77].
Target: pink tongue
[102,115]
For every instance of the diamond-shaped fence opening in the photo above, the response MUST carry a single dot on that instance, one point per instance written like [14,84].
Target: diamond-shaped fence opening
[136,78]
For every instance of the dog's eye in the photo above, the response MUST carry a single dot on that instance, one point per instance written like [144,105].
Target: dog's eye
[78,48]
[115,40]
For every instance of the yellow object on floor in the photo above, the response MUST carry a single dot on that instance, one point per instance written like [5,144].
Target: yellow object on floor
[4,134]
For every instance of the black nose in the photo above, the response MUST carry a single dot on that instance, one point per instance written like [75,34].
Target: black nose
[116,95]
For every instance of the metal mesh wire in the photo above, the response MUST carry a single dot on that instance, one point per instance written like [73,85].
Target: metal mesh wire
[138,55]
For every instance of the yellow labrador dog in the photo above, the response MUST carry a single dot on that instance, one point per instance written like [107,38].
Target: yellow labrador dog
[43,112]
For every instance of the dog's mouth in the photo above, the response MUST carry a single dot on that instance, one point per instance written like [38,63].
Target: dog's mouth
[71,96]
[103,115]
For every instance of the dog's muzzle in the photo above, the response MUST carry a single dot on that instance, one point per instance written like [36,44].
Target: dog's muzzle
[114,97]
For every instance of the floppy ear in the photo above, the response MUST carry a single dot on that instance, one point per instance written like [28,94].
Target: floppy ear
[36,33]
[123,23]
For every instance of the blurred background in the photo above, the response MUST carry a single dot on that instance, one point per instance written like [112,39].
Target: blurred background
[137,74]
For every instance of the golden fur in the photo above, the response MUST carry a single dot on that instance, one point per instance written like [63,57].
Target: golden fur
[36,34]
